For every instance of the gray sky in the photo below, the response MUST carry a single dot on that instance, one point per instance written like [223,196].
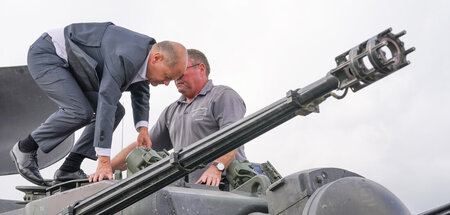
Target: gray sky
[393,132]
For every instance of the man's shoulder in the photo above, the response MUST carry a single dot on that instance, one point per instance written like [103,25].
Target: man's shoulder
[91,34]
[87,34]
[218,90]
[221,88]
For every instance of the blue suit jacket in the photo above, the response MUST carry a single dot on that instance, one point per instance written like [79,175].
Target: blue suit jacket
[105,58]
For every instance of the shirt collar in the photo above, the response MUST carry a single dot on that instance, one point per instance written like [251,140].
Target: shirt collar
[205,90]
[143,71]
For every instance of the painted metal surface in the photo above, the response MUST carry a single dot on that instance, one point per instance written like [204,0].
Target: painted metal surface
[23,107]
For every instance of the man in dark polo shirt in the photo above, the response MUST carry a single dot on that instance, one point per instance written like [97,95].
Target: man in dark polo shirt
[202,110]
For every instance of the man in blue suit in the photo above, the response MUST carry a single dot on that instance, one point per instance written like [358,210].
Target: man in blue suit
[84,68]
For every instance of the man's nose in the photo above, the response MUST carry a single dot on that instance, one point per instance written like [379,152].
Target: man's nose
[166,83]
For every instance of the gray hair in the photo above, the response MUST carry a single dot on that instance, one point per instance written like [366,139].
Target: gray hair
[170,50]
[198,57]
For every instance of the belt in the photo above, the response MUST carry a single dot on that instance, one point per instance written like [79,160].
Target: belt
[47,37]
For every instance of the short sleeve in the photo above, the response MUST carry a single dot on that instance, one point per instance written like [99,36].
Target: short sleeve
[159,133]
[228,108]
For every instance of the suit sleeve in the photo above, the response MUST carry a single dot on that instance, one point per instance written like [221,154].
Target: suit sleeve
[140,97]
[108,97]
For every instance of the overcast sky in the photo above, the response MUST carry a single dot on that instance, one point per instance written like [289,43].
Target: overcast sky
[394,132]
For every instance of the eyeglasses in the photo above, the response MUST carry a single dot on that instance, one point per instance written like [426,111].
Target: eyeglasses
[187,69]
[192,66]
[181,76]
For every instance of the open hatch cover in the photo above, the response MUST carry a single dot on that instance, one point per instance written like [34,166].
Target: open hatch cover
[23,107]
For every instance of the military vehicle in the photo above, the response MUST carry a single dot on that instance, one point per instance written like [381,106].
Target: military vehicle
[155,185]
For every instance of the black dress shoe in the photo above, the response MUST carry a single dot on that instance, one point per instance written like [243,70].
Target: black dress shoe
[61,176]
[27,166]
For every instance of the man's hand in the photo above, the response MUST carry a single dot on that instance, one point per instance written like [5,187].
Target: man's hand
[211,176]
[103,170]
[143,139]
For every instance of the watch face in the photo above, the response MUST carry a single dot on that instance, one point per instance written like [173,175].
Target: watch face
[219,166]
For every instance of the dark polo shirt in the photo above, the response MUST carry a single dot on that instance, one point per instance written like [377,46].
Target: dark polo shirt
[182,124]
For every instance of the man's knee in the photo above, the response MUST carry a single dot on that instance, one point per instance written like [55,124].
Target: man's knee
[82,115]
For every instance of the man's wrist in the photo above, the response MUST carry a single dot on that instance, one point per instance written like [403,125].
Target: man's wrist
[141,124]
[219,166]
[104,160]
[143,129]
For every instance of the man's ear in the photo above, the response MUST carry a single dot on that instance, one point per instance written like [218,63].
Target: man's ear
[156,57]
[202,69]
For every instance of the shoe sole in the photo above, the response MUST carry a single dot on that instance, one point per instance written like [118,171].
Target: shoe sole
[68,179]
[14,159]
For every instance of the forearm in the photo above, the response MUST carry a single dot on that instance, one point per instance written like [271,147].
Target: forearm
[227,158]
[119,161]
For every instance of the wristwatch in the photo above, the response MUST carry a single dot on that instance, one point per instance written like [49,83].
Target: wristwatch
[219,166]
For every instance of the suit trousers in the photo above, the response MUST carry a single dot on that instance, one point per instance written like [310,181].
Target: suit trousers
[76,107]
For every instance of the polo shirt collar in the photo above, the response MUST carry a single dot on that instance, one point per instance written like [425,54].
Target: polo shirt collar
[207,88]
